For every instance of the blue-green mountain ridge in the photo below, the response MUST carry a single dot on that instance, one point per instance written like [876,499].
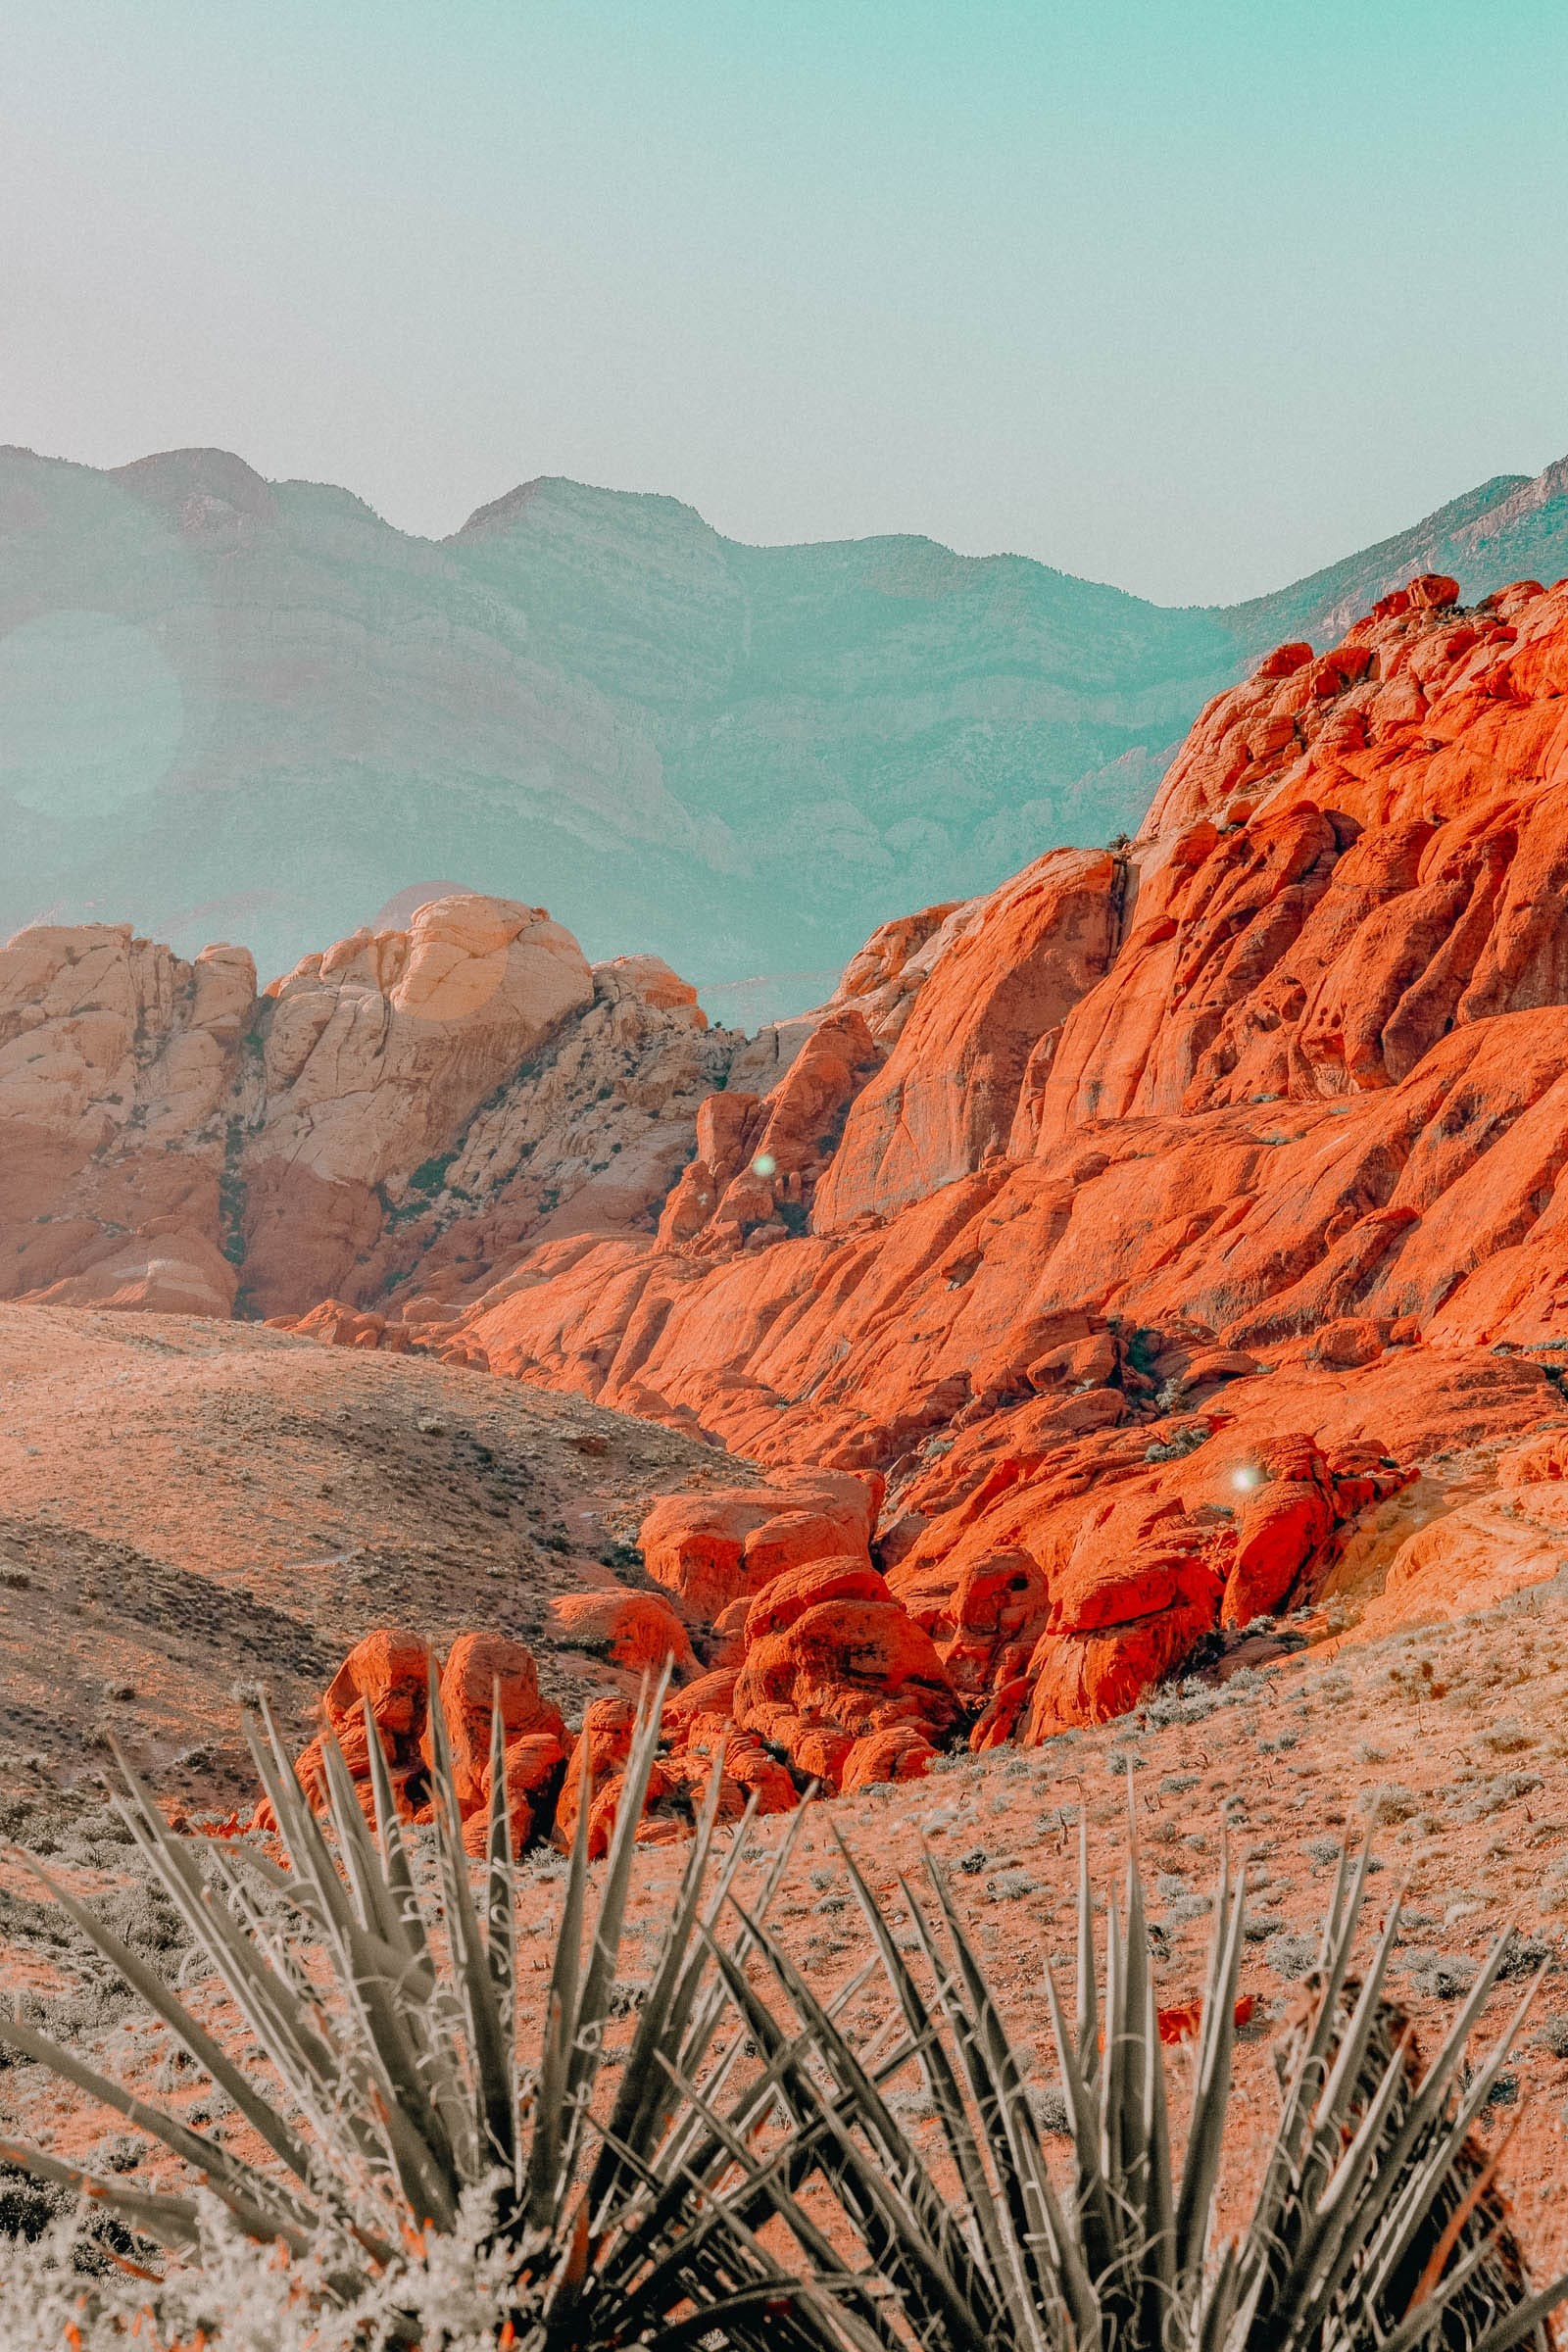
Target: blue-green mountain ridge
[249,710]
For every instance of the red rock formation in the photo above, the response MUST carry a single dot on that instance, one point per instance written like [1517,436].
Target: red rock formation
[481,1672]
[832,1661]
[1143,1225]
[947,1098]
[116,1061]
[395,1118]
[634,1630]
[697,1741]
[757,1161]
[384,1682]
[595,1771]
[1272,1129]
[884,979]
[719,1547]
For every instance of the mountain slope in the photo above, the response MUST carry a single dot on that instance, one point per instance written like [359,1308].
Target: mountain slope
[1512,528]
[236,707]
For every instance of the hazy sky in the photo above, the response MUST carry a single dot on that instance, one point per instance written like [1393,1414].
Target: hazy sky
[1186,296]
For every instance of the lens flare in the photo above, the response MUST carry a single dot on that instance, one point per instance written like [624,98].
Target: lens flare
[91,715]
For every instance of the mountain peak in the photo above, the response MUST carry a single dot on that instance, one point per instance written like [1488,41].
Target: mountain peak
[738,758]
[171,480]
[558,493]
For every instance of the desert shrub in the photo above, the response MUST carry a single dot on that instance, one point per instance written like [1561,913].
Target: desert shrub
[1505,1789]
[1525,1955]
[1179,1443]
[1443,1975]
[1289,1954]
[750,2184]
[1049,2109]
[27,2206]
[1389,1803]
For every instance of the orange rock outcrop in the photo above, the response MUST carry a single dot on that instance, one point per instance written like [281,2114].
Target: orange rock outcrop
[393,1118]
[383,1687]
[1200,1187]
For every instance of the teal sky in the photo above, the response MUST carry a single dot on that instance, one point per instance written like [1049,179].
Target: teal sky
[1191,297]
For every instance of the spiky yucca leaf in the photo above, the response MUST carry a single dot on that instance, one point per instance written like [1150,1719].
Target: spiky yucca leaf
[396,2093]
[1374,2223]
[750,2183]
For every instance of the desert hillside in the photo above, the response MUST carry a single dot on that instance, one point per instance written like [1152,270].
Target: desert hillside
[193,1513]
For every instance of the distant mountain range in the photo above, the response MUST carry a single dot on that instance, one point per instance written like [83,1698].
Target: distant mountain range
[253,711]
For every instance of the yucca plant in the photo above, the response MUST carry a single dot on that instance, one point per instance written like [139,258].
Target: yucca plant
[390,2035]
[1375,2222]
[750,2183]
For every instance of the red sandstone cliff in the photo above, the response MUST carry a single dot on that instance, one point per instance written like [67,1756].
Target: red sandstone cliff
[410,1099]
[1205,1193]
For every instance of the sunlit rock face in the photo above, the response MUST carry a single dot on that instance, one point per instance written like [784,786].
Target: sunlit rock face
[427,1097]
[1208,1198]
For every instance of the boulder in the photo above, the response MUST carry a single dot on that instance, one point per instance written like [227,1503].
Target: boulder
[483,1672]
[1348,1342]
[388,1673]
[594,1768]
[383,1686]
[788,1593]
[721,1545]
[532,1766]
[634,1630]
[847,1667]
[899,1753]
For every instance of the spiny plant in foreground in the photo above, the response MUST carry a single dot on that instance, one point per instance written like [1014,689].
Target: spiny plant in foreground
[750,2182]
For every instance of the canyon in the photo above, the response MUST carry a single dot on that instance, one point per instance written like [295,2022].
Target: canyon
[1151,1265]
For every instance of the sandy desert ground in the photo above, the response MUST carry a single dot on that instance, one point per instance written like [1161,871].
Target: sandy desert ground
[192,1510]
[1448,1747]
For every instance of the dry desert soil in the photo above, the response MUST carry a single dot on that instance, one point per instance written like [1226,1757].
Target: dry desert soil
[191,1509]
